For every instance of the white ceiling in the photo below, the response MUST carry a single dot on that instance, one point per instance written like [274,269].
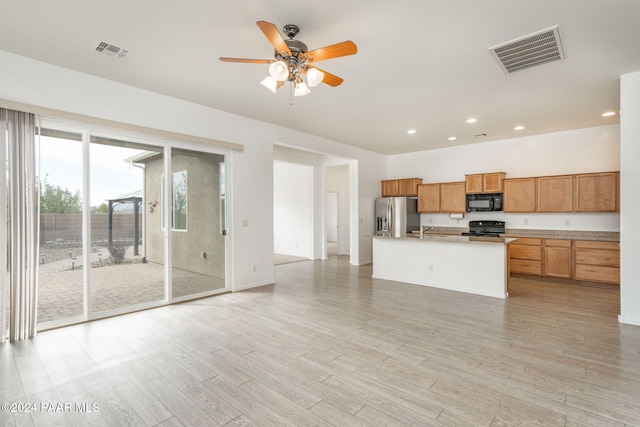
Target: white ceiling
[421,64]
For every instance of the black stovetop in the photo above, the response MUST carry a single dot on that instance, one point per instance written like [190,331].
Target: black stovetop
[485,228]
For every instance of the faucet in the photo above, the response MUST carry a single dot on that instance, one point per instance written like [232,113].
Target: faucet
[424,228]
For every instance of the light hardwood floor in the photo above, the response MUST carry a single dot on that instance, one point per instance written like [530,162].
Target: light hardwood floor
[327,345]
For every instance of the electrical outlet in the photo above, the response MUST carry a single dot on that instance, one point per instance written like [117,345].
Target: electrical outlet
[567,223]
[526,221]
[255,268]
[430,267]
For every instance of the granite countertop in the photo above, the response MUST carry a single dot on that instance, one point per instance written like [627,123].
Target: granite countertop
[453,238]
[603,236]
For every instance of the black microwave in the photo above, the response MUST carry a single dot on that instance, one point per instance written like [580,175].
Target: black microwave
[484,202]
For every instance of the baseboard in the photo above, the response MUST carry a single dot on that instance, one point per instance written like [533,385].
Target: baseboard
[626,321]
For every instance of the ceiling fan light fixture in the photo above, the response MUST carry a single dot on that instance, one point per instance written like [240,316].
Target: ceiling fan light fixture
[270,83]
[279,70]
[314,77]
[301,89]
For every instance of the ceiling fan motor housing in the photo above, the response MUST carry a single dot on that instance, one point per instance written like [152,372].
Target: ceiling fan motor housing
[291,30]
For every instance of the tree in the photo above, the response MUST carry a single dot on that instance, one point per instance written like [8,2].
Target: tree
[103,208]
[55,199]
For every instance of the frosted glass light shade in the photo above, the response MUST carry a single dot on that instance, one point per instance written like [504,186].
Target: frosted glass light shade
[279,71]
[301,89]
[314,77]
[270,83]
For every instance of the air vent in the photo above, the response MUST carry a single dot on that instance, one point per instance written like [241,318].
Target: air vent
[112,50]
[529,51]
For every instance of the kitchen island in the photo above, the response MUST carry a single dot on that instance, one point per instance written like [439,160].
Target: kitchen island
[476,265]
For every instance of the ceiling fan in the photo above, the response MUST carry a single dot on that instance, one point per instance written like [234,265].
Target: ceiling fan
[293,60]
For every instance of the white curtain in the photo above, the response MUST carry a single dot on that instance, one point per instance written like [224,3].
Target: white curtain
[20,214]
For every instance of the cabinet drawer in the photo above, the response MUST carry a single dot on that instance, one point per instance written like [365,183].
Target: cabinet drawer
[525,252]
[597,273]
[598,257]
[523,266]
[614,246]
[558,243]
[528,241]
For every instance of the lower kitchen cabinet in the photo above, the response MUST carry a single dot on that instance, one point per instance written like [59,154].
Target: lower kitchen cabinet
[597,261]
[558,257]
[525,256]
[574,260]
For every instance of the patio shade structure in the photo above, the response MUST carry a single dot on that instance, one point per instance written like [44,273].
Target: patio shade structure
[137,202]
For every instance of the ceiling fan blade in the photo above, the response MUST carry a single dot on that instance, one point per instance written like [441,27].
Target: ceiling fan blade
[334,51]
[274,36]
[329,79]
[245,60]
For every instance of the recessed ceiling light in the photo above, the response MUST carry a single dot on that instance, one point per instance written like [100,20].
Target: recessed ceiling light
[452,138]
[518,127]
[609,114]
[472,120]
[411,131]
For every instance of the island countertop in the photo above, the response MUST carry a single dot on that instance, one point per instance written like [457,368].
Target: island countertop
[454,238]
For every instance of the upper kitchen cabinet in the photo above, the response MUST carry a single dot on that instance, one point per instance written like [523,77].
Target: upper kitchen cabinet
[597,192]
[520,195]
[389,188]
[400,187]
[452,197]
[428,198]
[446,197]
[555,193]
[484,183]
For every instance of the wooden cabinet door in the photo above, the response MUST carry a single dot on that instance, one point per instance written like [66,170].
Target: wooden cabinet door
[452,197]
[492,182]
[520,195]
[473,184]
[390,188]
[555,193]
[408,186]
[597,192]
[558,258]
[428,198]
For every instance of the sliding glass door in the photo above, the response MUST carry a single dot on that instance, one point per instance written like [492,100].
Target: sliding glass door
[122,276]
[126,224]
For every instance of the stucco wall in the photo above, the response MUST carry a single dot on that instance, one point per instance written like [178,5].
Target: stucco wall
[199,248]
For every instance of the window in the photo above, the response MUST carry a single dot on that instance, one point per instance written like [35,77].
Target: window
[178,200]
[179,197]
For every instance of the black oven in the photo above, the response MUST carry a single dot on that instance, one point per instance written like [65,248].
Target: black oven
[484,202]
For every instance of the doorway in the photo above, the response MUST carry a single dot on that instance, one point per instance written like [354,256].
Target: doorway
[331,222]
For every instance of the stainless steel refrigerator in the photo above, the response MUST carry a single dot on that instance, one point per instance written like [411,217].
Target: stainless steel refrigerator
[396,216]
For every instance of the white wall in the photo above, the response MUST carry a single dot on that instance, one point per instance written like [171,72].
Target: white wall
[630,198]
[594,149]
[337,180]
[251,171]
[293,209]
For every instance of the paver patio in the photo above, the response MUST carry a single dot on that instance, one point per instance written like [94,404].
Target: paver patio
[113,286]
